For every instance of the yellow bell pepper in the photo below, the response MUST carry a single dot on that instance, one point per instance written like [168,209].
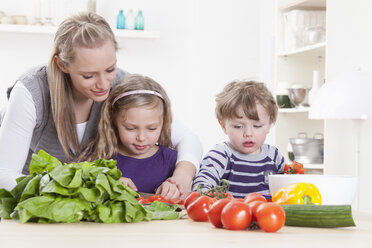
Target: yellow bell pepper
[298,193]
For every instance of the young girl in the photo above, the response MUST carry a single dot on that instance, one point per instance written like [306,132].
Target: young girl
[135,129]
[245,110]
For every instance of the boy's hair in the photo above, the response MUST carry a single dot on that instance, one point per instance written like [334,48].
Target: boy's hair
[106,142]
[245,94]
[85,29]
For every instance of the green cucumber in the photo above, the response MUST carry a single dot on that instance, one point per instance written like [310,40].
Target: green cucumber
[318,215]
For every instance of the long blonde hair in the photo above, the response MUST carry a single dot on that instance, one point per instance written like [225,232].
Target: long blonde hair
[85,29]
[105,145]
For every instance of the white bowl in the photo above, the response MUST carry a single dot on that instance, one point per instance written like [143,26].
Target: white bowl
[334,189]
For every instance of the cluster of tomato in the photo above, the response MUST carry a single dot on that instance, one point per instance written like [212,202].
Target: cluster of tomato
[236,213]
[294,168]
[158,198]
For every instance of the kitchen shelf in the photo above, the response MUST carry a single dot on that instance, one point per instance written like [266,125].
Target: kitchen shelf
[318,47]
[294,110]
[297,66]
[27,29]
[301,4]
[314,166]
[50,30]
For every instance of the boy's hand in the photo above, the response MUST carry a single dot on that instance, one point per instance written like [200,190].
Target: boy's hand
[168,190]
[128,182]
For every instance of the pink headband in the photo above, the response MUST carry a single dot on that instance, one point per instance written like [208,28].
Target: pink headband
[137,92]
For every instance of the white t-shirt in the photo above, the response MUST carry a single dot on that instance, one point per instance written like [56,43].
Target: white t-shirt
[17,128]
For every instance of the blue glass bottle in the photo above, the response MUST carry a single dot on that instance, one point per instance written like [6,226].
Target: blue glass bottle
[140,21]
[120,20]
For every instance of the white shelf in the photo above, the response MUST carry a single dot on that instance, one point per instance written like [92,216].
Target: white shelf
[314,166]
[27,29]
[50,30]
[313,48]
[301,4]
[294,110]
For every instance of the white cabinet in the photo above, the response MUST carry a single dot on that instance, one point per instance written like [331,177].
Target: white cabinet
[295,60]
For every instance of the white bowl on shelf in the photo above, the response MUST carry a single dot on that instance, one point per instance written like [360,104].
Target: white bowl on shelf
[334,189]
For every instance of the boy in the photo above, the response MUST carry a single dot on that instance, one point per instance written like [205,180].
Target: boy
[245,110]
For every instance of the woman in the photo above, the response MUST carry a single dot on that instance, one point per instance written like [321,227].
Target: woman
[57,107]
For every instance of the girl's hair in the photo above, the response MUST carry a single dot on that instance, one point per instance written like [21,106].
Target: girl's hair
[105,145]
[245,94]
[84,29]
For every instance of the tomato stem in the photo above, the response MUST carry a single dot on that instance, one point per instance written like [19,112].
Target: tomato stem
[219,191]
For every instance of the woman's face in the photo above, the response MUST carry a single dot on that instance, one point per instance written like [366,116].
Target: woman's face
[92,72]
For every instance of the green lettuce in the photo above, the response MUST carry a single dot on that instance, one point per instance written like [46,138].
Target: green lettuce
[86,191]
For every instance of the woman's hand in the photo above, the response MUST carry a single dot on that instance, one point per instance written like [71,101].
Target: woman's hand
[128,182]
[168,190]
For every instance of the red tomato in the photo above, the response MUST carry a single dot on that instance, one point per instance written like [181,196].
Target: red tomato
[238,199]
[298,167]
[198,209]
[142,200]
[168,201]
[156,198]
[294,168]
[179,202]
[254,196]
[214,212]
[236,215]
[270,216]
[254,205]
[190,198]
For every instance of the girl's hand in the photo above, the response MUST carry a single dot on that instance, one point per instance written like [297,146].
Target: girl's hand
[168,190]
[182,177]
[128,182]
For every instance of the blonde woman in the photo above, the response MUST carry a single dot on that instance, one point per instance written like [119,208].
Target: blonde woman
[56,107]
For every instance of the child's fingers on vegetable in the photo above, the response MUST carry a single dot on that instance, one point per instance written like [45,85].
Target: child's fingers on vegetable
[173,192]
[166,186]
[128,182]
[176,194]
[133,186]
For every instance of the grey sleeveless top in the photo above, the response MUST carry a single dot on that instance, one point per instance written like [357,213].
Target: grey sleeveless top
[45,134]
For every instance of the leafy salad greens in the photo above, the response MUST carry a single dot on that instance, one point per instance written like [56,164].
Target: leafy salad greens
[86,191]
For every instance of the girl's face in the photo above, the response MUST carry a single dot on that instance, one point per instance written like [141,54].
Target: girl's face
[92,72]
[139,130]
[246,135]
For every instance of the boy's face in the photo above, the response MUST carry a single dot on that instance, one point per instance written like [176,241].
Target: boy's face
[246,135]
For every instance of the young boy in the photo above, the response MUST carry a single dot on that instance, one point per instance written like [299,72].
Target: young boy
[245,110]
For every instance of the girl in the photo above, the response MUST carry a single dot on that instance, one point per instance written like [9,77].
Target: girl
[135,129]
[56,107]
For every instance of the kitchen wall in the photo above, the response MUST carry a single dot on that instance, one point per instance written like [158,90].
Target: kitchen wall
[202,46]
[348,49]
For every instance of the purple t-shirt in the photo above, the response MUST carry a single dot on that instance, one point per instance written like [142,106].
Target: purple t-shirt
[148,173]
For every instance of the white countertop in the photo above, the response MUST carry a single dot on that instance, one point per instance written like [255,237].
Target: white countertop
[179,233]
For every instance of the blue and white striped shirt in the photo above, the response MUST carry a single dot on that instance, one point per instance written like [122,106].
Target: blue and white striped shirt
[245,172]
